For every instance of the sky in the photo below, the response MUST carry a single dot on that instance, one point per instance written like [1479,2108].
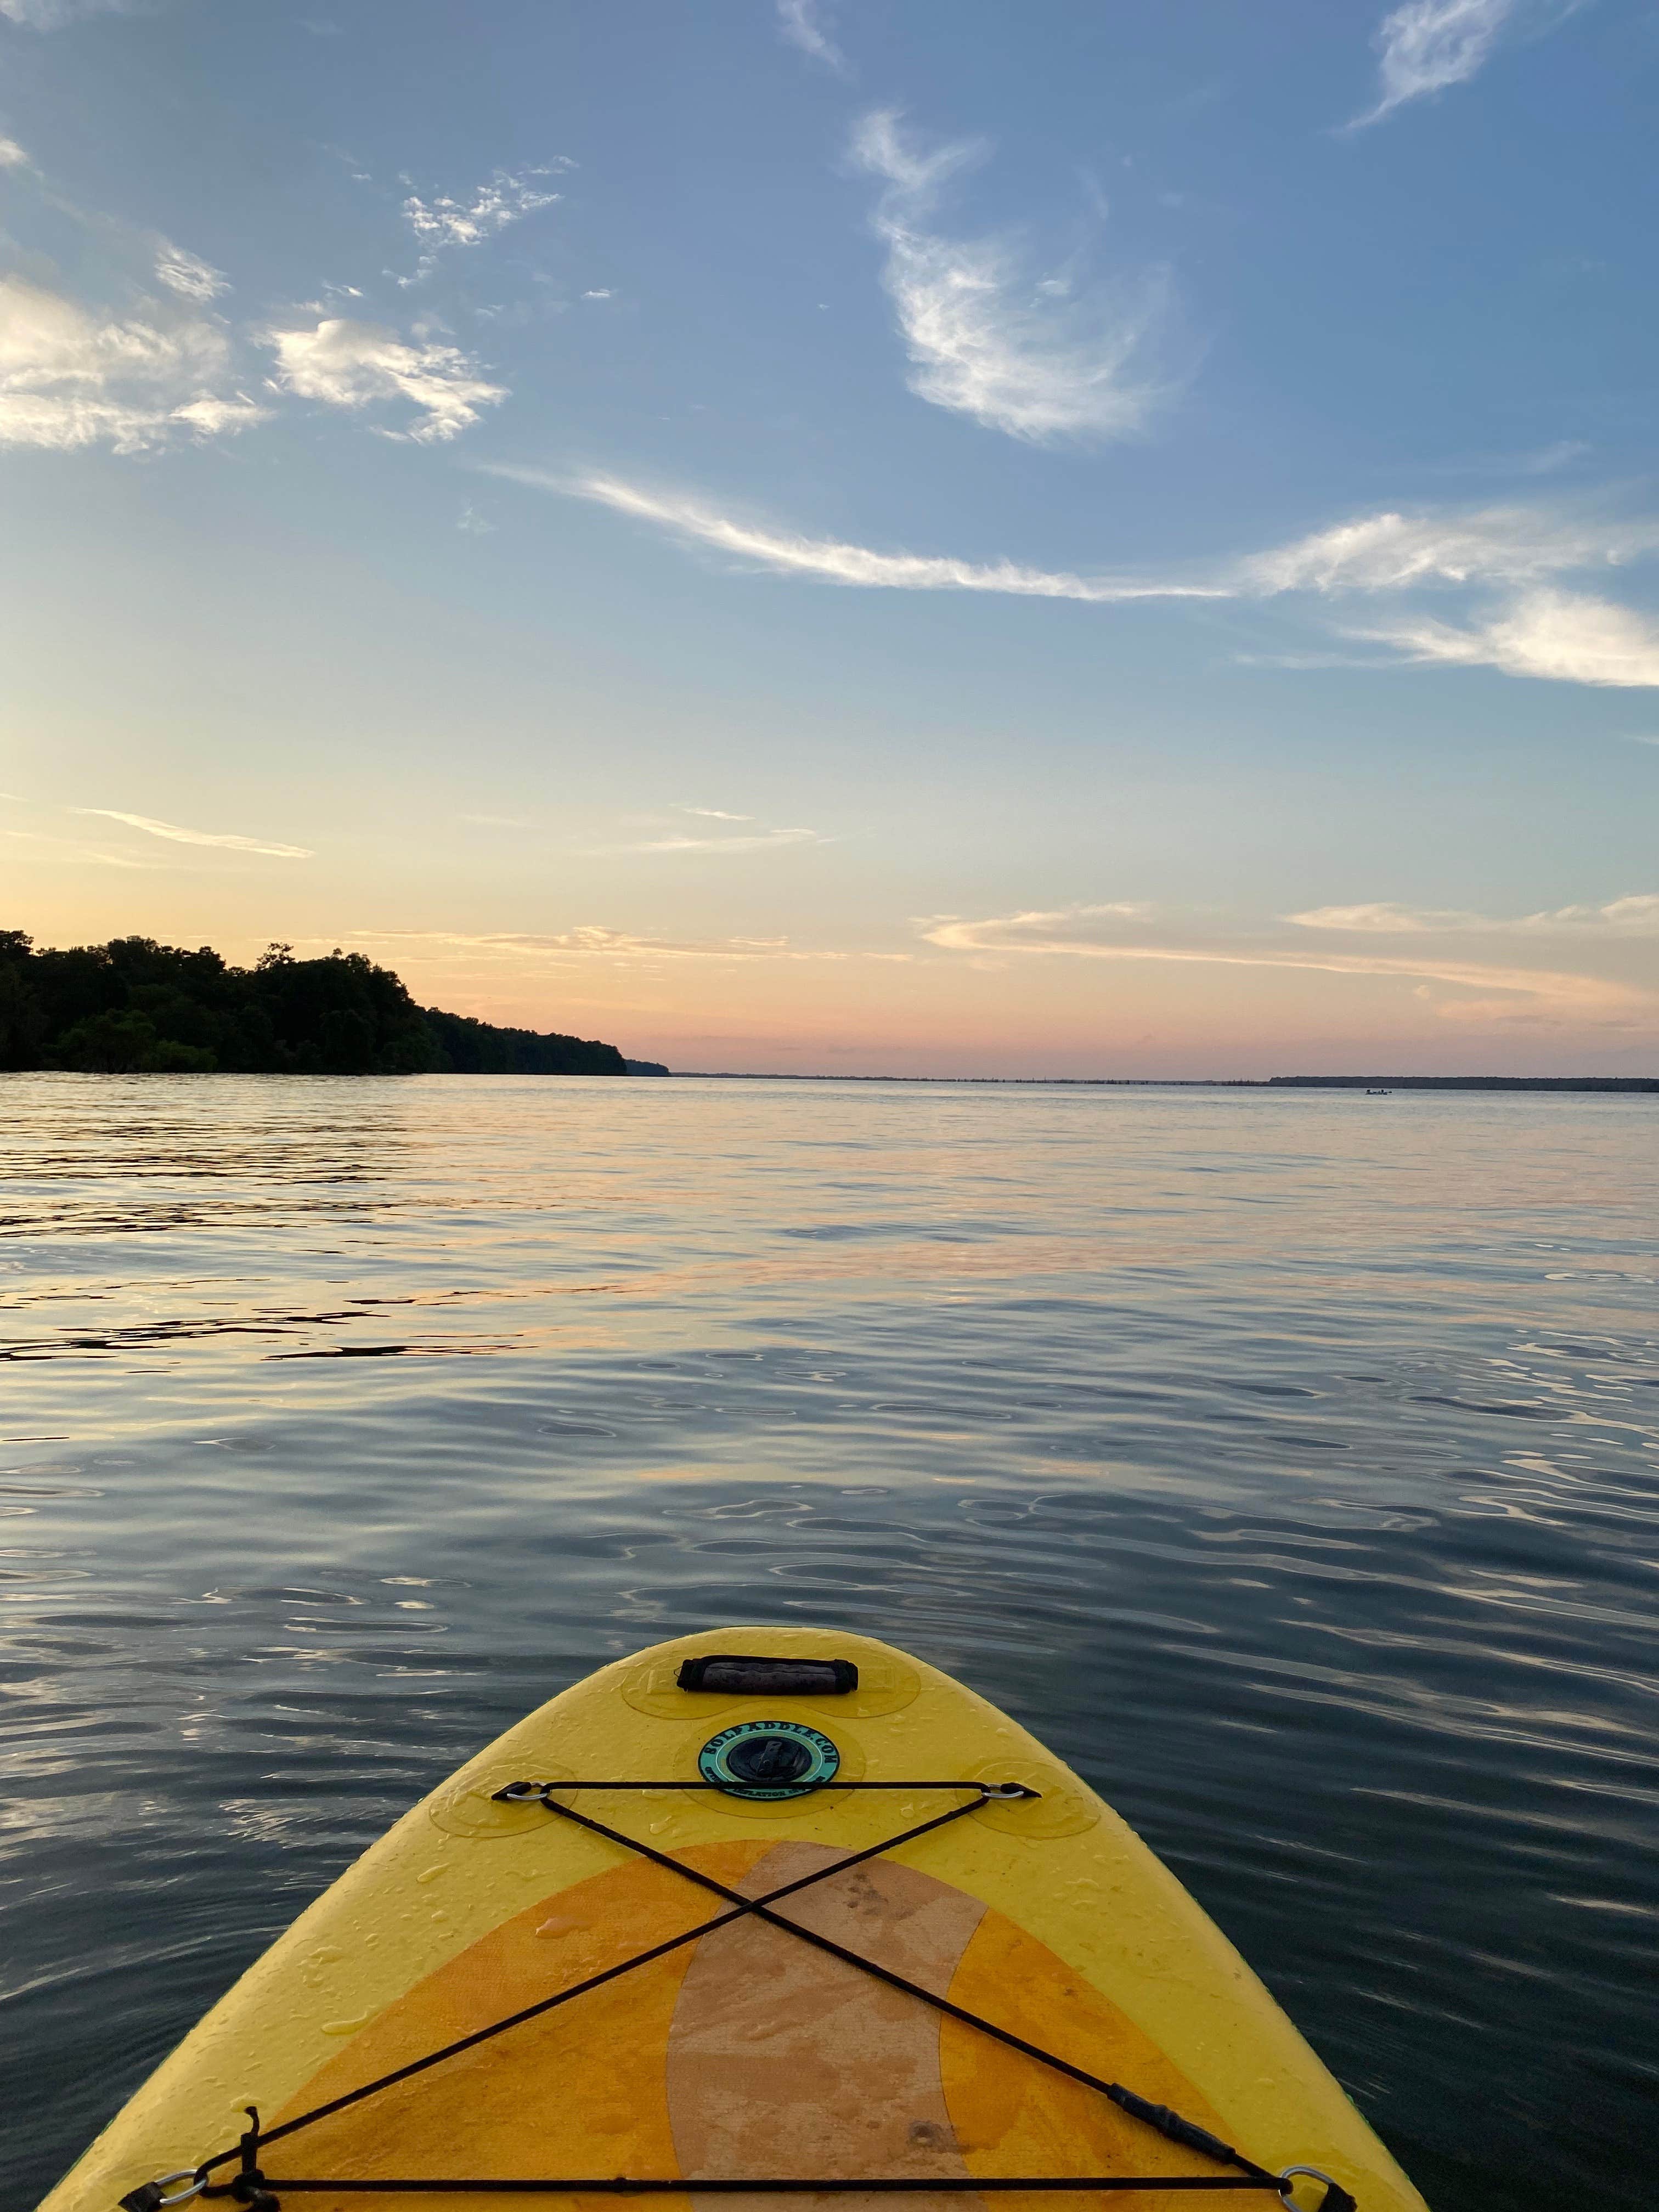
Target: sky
[818,535]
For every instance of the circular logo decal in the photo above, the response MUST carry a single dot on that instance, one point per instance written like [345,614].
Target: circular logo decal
[769,1759]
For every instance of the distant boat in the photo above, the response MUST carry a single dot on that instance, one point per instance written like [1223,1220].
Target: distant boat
[1379,1094]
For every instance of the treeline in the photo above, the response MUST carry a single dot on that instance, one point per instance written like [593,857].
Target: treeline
[134,1006]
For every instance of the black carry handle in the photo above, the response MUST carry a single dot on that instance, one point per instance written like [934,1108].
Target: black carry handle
[745,1675]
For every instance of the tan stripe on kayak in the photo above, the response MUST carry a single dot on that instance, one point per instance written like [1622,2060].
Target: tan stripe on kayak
[783,2060]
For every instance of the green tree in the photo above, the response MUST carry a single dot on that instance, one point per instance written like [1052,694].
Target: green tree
[136,1006]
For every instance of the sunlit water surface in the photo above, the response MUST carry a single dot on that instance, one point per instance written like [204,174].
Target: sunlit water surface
[1287,1461]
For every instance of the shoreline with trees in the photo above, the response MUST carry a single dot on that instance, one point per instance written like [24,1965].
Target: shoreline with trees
[134,1006]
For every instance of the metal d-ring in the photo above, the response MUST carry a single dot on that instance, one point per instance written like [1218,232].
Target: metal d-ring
[1313,2172]
[197,2179]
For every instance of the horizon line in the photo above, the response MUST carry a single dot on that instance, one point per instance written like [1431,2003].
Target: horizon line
[1626,1083]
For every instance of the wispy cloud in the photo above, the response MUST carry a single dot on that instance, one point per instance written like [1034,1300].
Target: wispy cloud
[1635,915]
[1554,634]
[354,365]
[177,835]
[162,366]
[187,274]
[52,14]
[129,355]
[594,941]
[1041,359]
[759,842]
[1386,552]
[1560,635]
[786,554]
[1535,461]
[441,223]
[1537,633]
[799,22]
[1428,45]
[758,839]
[1392,552]
[1381,919]
[1096,933]
[70,378]
[72,848]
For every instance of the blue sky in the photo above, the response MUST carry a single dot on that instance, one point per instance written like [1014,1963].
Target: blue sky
[1073,538]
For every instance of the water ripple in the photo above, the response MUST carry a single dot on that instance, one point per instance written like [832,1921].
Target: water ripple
[1291,1467]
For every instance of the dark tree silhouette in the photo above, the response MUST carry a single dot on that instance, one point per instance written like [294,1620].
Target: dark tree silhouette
[134,1006]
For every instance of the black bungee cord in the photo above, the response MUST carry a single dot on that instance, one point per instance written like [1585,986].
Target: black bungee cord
[257,2191]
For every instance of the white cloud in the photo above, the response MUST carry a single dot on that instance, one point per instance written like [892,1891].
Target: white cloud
[12,155]
[351,364]
[1078,932]
[837,562]
[1388,552]
[70,378]
[589,940]
[798,20]
[52,14]
[1558,636]
[212,416]
[1636,915]
[441,223]
[1428,45]
[1392,552]
[1380,918]
[187,274]
[1563,636]
[178,837]
[593,941]
[758,839]
[757,842]
[1040,359]
[1538,633]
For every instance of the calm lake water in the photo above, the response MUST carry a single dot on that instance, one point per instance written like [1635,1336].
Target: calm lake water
[1287,1461]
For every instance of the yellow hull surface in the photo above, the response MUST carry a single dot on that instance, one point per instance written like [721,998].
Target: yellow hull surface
[749,2052]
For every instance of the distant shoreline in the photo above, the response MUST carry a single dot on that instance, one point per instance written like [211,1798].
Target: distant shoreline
[1621,1085]
[136,1007]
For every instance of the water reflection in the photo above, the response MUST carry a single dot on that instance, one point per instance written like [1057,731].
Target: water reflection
[1287,1463]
